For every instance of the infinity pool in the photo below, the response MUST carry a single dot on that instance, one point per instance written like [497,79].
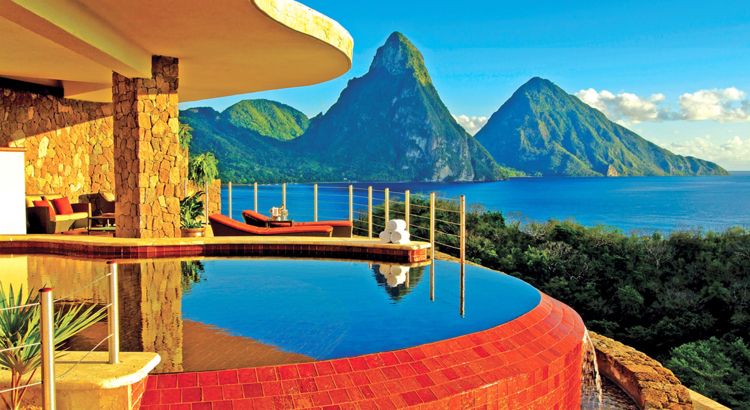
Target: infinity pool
[245,312]
[328,310]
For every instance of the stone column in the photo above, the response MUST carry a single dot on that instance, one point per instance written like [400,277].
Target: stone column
[149,164]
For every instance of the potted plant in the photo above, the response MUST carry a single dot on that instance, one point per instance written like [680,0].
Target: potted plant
[191,207]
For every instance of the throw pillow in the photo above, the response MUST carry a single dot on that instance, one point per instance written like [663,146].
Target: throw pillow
[62,206]
[48,205]
[108,196]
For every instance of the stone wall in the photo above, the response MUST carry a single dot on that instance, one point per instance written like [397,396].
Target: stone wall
[650,384]
[149,164]
[69,142]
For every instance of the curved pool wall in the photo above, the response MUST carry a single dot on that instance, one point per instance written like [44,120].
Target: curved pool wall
[533,361]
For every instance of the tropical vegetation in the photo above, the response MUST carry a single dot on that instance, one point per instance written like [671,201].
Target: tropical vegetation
[682,298]
[191,208]
[20,336]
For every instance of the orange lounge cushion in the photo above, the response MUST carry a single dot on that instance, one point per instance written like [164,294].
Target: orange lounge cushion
[324,223]
[51,209]
[62,206]
[252,215]
[254,218]
[225,220]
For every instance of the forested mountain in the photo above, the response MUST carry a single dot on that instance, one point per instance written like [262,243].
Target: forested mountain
[390,124]
[267,118]
[246,156]
[542,129]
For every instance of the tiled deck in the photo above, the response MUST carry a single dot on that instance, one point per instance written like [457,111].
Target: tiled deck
[533,362]
[120,248]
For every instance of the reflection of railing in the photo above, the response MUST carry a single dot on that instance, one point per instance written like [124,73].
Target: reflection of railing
[47,335]
[438,220]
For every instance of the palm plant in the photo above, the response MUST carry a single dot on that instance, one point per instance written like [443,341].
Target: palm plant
[20,337]
[203,168]
[191,208]
[185,135]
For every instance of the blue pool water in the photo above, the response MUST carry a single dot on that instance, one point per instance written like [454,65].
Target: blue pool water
[647,203]
[334,309]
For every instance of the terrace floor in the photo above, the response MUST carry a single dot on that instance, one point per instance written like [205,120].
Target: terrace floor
[106,247]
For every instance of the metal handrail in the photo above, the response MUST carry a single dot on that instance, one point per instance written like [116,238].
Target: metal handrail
[356,207]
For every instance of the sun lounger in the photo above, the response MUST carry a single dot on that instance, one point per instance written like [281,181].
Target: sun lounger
[225,226]
[341,229]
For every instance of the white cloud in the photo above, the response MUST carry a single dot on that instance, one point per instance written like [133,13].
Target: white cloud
[715,105]
[471,124]
[722,105]
[625,106]
[735,150]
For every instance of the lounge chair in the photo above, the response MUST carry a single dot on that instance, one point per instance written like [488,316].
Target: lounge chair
[225,226]
[39,219]
[341,229]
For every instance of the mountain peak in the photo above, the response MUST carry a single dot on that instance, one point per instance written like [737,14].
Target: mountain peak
[538,83]
[398,56]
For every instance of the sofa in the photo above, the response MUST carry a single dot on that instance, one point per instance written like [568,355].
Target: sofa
[226,226]
[39,219]
[341,229]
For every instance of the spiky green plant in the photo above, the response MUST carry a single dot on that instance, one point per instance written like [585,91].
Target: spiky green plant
[22,326]
[191,207]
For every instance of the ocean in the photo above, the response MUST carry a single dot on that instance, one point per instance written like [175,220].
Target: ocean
[634,203]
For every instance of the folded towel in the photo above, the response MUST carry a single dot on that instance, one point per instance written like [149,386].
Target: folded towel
[400,237]
[396,225]
[385,237]
[395,280]
[399,270]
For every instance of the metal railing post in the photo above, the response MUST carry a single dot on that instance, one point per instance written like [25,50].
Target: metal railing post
[113,316]
[369,212]
[387,207]
[351,203]
[463,251]
[432,227]
[406,209]
[283,195]
[48,349]
[255,196]
[230,199]
[432,246]
[315,199]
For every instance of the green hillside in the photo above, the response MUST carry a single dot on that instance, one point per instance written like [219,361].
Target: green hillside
[246,156]
[267,118]
[542,129]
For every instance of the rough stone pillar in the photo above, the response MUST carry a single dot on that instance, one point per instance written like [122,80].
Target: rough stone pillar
[149,164]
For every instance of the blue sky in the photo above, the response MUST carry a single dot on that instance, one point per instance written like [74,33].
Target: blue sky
[676,72]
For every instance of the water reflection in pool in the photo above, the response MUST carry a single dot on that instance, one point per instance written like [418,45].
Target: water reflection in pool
[229,313]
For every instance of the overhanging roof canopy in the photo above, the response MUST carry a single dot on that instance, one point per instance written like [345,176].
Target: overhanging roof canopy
[225,47]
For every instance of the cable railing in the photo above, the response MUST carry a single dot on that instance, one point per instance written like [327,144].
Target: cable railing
[433,217]
[47,335]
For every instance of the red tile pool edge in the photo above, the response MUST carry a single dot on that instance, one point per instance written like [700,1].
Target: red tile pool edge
[398,255]
[533,362]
